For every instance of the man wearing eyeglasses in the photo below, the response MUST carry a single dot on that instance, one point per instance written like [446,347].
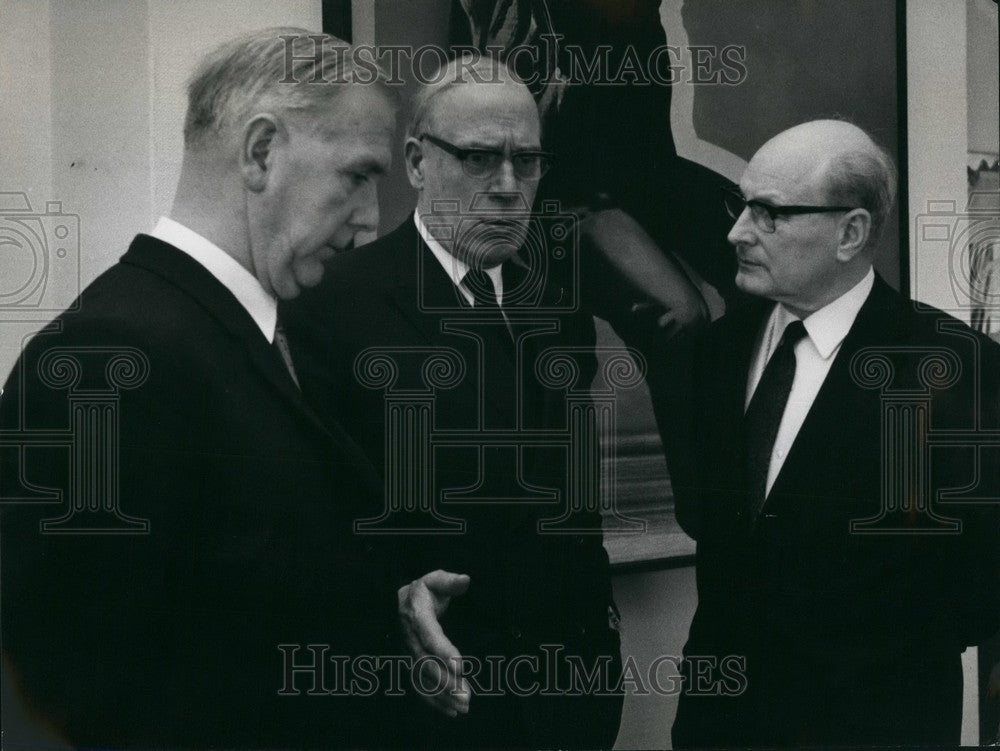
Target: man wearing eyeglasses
[836,591]
[496,606]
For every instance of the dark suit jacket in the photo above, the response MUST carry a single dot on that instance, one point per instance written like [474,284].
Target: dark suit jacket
[527,589]
[847,637]
[170,638]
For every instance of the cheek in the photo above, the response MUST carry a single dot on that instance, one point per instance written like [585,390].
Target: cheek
[754,275]
[753,279]
[528,191]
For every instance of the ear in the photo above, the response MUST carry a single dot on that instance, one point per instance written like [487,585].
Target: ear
[413,157]
[257,150]
[855,229]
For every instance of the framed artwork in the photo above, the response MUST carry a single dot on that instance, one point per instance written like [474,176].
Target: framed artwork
[731,75]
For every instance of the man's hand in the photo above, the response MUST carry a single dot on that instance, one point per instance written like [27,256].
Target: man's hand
[685,314]
[421,604]
[669,302]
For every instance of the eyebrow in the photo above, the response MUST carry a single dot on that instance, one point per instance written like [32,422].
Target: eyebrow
[480,146]
[771,200]
[368,166]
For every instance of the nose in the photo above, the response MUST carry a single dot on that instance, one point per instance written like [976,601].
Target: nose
[505,180]
[742,231]
[506,191]
[365,216]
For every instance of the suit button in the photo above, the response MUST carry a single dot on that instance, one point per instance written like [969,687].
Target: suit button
[515,632]
[580,539]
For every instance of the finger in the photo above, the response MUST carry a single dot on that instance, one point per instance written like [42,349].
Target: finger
[408,615]
[424,636]
[667,323]
[431,683]
[433,641]
[441,687]
[446,583]
[428,643]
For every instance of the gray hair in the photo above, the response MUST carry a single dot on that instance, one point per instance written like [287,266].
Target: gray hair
[277,69]
[866,179]
[469,67]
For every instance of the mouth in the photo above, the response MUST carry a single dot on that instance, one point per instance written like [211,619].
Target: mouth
[328,251]
[500,224]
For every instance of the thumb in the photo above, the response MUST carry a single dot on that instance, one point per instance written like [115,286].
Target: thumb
[446,583]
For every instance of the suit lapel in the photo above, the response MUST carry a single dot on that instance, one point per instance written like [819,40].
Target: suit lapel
[184,272]
[426,297]
[733,367]
[723,420]
[839,391]
[421,290]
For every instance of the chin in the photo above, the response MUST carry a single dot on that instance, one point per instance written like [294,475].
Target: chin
[498,257]
[308,274]
[287,290]
[752,283]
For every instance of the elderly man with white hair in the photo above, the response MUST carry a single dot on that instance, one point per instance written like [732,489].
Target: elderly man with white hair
[842,565]
[517,605]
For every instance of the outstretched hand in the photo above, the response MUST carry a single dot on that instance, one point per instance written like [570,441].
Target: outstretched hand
[421,604]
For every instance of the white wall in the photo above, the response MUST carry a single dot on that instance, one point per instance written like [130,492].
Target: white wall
[25,153]
[99,94]
[25,117]
[984,77]
[181,31]
[938,141]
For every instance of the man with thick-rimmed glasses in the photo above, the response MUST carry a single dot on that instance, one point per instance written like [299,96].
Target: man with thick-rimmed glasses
[472,285]
[835,591]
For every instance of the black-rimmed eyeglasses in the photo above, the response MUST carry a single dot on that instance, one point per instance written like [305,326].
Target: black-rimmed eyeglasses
[528,165]
[764,214]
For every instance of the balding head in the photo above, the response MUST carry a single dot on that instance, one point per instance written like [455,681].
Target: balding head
[844,162]
[806,259]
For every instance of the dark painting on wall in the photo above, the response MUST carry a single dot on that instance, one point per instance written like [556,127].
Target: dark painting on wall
[738,73]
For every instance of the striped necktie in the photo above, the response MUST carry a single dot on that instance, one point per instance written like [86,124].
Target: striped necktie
[281,345]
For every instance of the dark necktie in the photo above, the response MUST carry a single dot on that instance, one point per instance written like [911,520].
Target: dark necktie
[763,415]
[480,284]
[284,352]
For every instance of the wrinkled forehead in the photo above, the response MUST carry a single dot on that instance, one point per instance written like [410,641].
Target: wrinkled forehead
[785,175]
[487,113]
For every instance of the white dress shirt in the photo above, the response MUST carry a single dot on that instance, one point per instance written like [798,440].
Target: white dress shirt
[261,306]
[814,354]
[455,268]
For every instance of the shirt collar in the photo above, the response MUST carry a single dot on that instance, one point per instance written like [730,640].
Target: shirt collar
[455,268]
[261,306]
[828,326]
